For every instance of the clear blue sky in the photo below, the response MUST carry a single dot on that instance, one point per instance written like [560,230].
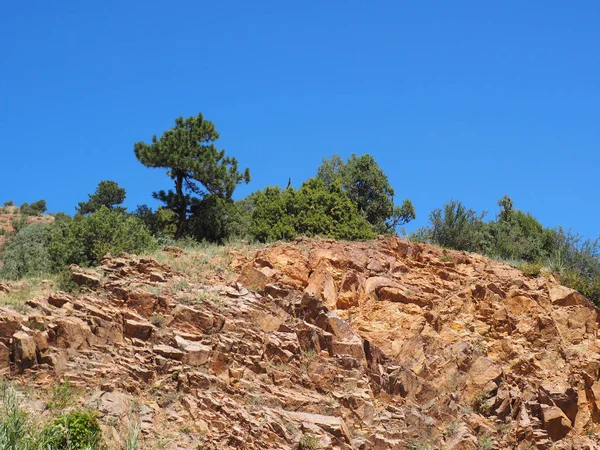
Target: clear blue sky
[455,99]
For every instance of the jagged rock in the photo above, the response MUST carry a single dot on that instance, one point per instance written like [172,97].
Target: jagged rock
[83,278]
[59,299]
[322,285]
[333,425]
[555,422]
[72,332]
[4,356]
[475,349]
[168,352]
[157,277]
[137,329]
[201,320]
[196,354]
[564,296]
[9,323]
[253,278]
[24,350]
[143,302]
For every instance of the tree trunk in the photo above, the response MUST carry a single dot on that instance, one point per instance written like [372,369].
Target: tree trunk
[181,207]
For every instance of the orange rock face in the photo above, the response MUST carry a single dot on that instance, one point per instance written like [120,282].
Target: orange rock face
[379,345]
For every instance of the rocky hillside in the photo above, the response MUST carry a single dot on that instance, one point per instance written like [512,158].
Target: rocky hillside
[316,344]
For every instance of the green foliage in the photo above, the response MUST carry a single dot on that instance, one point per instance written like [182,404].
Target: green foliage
[19,222]
[9,203]
[215,219]
[588,286]
[75,430]
[480,403]
[486,443]
[62,396]
[195,165]
[456,227]
[416,444]
[161,223]
[518,236]
[27,254]
[133,436]
[14,423]
[108,194]
[368,187]
[89,238]
[316,209]
[531,269]
[35,209]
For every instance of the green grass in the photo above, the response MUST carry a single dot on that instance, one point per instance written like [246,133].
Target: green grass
[202,261]
[531,269]
[25,290]
[19,430]
[63,396]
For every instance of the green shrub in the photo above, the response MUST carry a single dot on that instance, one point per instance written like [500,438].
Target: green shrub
[215,219]
[89,238]
[480,403]
[108,194]
[15,427]
[9,203]
[27,254]
[313,210]
[35,209]
[367,186]
[531,269]
[75,430]
[456,227]
[161,223]
[20,222]
[589,286]
[62,396]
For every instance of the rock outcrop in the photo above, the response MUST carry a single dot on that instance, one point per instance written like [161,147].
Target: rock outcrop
[379,345]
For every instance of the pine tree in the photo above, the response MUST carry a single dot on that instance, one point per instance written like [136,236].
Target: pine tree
[194,163]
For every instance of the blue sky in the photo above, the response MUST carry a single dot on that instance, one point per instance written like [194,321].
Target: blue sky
[468,99]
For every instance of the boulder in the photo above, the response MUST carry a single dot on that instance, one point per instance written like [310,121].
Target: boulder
[322,286]
[555,422]
[197,354]
[143,302]
[59,299]
[564,296]
[137,329]
[253,278]
[83,278]
[201,320]
[24,350]
[72,332]
[168,352]
[4,356]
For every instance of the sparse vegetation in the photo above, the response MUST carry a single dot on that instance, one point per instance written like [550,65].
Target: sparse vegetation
[63,395]
[531,269]
[158,320]
[75,430]
[486,443]
[308,442]
[480,403]
[133,436]
[416,444]
[517,238]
